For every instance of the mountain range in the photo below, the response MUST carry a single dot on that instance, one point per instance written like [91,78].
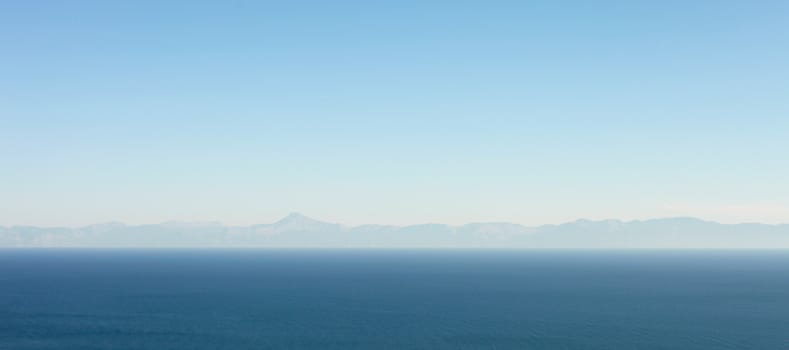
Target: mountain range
[299,231]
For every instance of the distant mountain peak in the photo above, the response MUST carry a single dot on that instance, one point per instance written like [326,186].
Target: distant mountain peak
[297,221]
[296,217]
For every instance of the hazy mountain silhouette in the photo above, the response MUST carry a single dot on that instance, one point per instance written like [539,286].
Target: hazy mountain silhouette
[296,230]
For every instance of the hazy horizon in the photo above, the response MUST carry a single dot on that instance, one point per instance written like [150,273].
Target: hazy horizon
[299,231]
[325,220]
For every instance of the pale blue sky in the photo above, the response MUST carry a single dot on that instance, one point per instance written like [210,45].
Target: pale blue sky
[393,112]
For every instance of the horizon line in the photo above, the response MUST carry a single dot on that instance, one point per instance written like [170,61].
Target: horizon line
[299,215]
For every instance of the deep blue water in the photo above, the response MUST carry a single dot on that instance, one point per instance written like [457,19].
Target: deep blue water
[302,299]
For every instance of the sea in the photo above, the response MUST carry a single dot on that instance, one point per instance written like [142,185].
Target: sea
[393,299]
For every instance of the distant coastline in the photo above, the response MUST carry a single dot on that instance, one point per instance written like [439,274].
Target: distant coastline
[299,231]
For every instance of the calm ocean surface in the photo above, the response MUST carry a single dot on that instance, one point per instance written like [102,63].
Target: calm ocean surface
[302,299]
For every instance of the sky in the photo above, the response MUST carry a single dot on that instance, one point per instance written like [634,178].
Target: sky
[397,112]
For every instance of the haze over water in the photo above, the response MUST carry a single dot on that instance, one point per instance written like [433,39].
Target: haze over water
[392,299]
